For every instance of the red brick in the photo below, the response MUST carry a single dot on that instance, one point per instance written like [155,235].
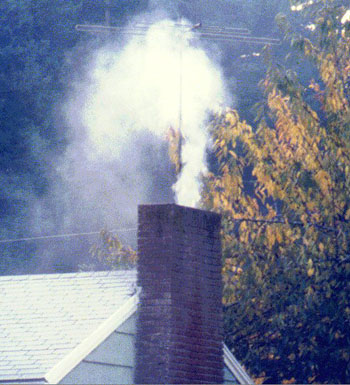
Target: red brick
[179,335]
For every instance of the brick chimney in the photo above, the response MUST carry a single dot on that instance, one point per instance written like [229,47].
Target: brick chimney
[179,334]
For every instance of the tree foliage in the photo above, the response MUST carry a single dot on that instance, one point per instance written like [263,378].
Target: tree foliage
[283,189]
[110,253]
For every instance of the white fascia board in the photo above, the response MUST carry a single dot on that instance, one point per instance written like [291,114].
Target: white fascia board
[235,367]
[71,360]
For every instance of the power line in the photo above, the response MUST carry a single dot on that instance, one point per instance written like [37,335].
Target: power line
[55,236]
[286,222]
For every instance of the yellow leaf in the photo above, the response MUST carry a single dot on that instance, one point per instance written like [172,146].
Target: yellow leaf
[291,380]
[232,118]
[233,154]
[347,215]
[314,114]
[311,205]
[279,236]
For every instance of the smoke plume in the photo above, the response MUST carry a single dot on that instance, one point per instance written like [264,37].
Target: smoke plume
[155,82]
[119,112]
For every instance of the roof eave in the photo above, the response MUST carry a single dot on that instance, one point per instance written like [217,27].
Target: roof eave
[71,360]
[236,368]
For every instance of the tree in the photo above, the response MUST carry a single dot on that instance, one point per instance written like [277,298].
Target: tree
[286,209]
[110,253]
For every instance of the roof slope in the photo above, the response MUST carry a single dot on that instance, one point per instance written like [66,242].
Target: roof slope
[44,317]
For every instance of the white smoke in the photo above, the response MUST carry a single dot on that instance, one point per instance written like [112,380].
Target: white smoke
[155,82]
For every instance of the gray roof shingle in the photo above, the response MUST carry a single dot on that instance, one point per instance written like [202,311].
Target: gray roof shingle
[44,317]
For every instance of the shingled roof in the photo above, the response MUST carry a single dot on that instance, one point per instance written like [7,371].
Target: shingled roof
[45,317]
[50,322]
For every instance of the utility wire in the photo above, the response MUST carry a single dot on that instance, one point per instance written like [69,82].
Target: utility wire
[286,222]
[55,236]
[235,220]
